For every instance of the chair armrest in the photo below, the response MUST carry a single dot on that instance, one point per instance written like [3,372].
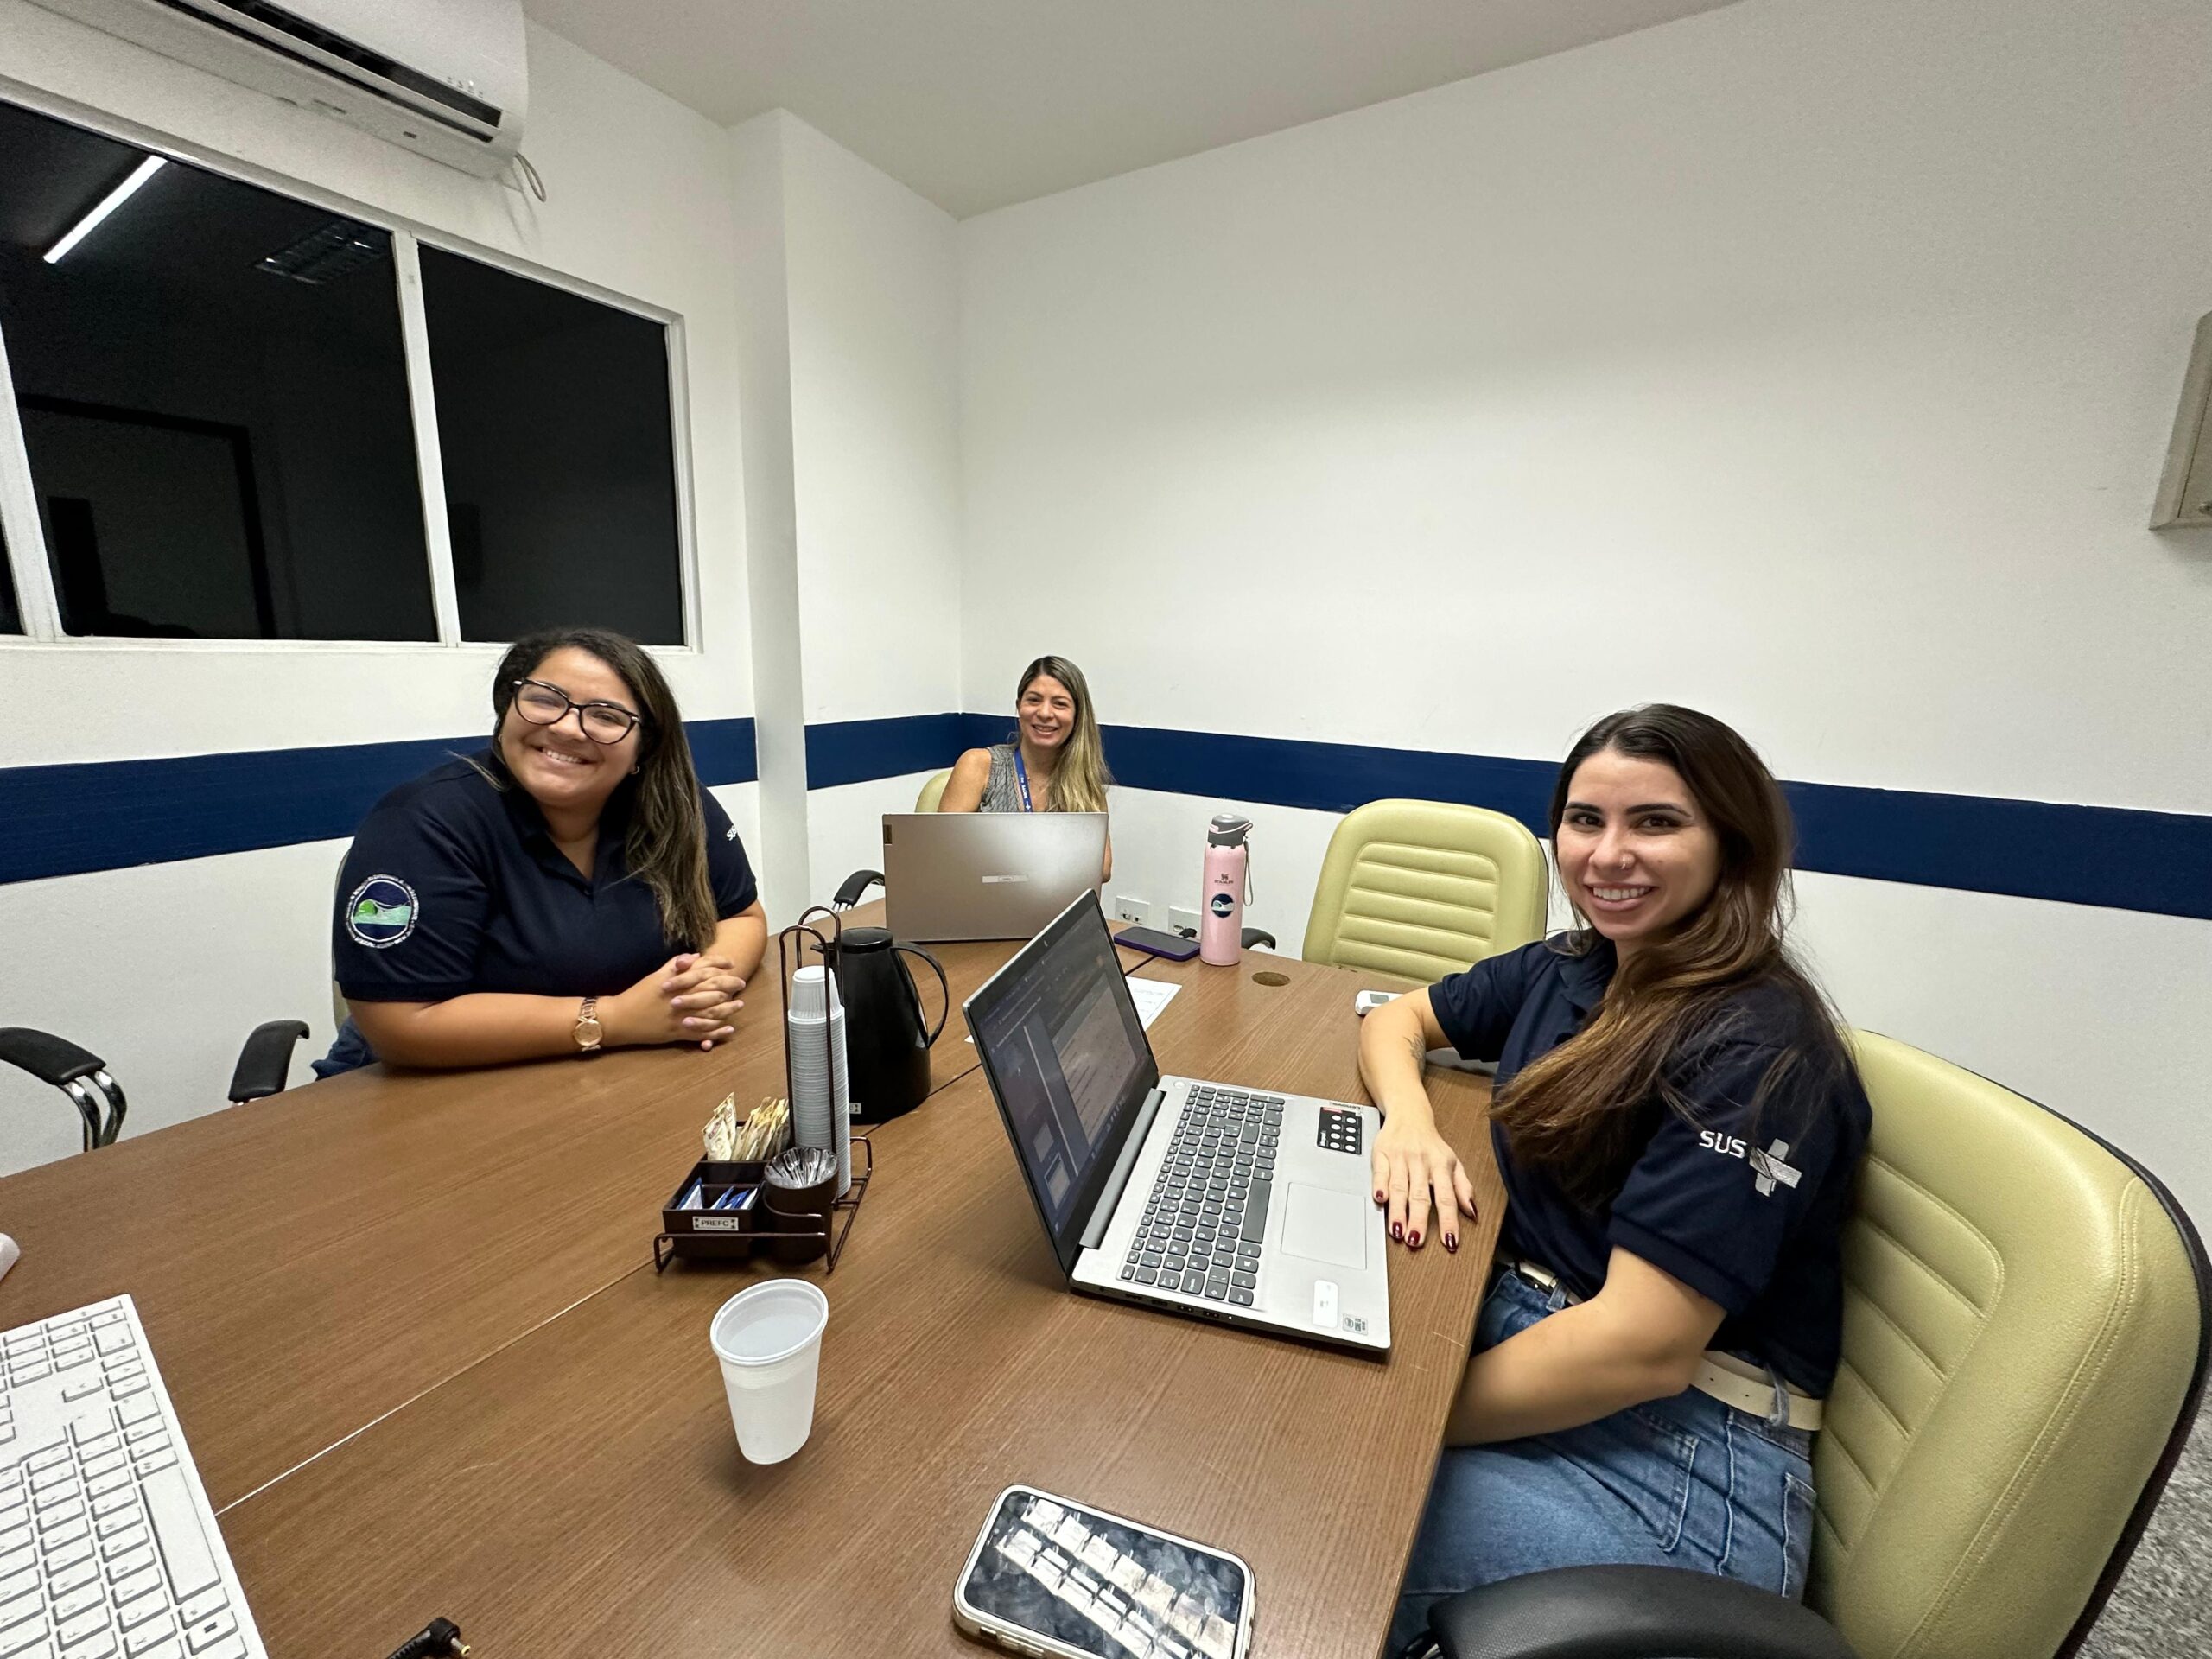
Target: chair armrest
[854,885]
[46,1056]
[1629,1613]
[1258,935]
[266,1060]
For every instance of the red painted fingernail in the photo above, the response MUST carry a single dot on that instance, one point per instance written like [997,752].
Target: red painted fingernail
[1414,1241]
[1378,1197]
[1397,1232]
[1451,1244]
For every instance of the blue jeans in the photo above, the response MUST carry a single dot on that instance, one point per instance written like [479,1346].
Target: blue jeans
[349,1051]
[1685,1482]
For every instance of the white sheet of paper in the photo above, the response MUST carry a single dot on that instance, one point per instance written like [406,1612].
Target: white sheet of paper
[1151,995]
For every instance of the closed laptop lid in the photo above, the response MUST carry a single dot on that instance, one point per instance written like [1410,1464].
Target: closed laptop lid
[1068,1063]
[986,875]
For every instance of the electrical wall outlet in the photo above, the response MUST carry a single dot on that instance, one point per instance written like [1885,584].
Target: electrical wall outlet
[1180,920]
[1132,910]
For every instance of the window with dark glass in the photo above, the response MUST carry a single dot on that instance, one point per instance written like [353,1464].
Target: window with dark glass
[560,462]
[213,394]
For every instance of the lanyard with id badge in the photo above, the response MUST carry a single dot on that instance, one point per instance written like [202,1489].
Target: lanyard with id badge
[1052,1576]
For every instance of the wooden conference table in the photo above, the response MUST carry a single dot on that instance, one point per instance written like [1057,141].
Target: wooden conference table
[426,1368]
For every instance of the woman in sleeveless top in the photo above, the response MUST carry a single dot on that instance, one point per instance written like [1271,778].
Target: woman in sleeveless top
[1054,763]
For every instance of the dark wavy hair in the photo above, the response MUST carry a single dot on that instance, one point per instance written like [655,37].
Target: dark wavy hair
[1575,1112]
[666,845]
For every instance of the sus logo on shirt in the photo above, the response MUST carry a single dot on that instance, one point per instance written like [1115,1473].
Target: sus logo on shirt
[1768,1164]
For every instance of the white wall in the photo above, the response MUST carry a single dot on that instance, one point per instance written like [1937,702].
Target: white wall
[875,389]
[640,205]
[760,273]
[853,326]
[846,828]
[1812,365]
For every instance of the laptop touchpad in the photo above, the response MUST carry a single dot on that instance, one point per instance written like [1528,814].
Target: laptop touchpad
[1324,1225]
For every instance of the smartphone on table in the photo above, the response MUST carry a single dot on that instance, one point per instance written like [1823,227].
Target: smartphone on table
[1173,946]
[1050,1576]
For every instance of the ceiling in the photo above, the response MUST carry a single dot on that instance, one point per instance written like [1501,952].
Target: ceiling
[974,104]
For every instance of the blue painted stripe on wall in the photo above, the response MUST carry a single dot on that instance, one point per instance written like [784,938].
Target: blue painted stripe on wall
[723,751]
[856,751]
[2116,857]
[69,820]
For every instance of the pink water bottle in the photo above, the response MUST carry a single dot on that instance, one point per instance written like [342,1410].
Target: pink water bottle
[1220,915]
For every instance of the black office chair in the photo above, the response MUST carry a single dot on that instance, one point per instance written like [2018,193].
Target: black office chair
[264,1064]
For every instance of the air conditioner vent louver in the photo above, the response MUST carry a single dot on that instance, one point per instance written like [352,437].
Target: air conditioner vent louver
[447,77]
[482,119]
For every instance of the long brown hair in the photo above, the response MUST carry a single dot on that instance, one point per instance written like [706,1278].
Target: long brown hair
[1575,1111]
[1079,776]
[666,843]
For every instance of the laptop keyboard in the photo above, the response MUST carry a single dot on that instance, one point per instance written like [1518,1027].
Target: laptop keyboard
[1203,1224]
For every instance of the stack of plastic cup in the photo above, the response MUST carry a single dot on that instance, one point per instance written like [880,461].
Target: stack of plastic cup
[822,1110]
[769,1340]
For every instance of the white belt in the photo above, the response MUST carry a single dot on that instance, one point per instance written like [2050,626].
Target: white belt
[1731,1381]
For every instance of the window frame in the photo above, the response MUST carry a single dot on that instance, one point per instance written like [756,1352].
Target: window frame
[36,603]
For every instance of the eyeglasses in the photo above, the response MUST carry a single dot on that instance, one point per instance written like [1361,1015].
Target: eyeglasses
[548,705]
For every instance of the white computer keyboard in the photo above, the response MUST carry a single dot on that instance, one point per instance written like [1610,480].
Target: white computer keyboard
[108,1547]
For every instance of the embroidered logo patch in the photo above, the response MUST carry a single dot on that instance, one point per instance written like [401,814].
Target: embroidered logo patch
[381,912]
[730,834]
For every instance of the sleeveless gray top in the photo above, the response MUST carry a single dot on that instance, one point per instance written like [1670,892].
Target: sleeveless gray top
[1003,789]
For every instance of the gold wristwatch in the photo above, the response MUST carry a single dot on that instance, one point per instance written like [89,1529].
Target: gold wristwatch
[588,1029]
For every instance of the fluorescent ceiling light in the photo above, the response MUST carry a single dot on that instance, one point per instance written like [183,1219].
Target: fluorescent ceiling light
[114,198]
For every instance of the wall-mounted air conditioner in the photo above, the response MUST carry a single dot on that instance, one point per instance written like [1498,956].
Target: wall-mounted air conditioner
[448,78]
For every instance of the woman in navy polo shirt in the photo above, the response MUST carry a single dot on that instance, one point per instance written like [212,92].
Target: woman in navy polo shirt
[569,889]
[1678,1123]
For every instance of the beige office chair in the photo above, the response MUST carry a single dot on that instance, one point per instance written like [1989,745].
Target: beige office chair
[932,792]
[2023,1352]
[1414,890]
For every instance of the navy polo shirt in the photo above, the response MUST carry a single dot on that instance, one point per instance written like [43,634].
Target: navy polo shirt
[1747,1209]
[454,885]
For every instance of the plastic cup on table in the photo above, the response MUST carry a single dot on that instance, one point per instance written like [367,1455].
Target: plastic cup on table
[768,1338]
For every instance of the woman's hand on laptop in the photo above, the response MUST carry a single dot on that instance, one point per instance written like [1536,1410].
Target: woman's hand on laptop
[1414,1168]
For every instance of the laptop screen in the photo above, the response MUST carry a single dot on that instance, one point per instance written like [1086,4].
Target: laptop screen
[1067,1058]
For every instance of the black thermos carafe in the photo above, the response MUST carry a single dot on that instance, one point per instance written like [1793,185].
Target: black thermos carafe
[886,1038]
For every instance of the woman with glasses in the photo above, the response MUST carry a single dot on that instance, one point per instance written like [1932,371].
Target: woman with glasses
[569,889]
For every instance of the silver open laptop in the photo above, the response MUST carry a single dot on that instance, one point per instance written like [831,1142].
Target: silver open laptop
[1243,1205]
[986,875]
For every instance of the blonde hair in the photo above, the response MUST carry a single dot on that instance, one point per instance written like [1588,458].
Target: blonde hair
[1079,776]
